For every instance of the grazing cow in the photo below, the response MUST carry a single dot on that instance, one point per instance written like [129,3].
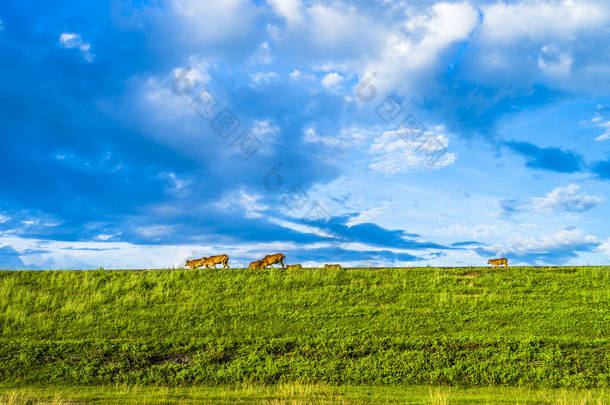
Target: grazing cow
[497,262]
[332,266]
[209,261]
[193,264]
[294,266]
[268,260]
[258,264]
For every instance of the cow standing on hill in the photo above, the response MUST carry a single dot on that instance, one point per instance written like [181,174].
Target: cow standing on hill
[498,262]
[209,261]
[268,260]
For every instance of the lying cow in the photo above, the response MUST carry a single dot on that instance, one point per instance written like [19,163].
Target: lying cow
[209,261]
[332,266]
[294,266]
[268,260]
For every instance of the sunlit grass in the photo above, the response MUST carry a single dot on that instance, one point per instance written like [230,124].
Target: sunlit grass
[295,393]
[545,327]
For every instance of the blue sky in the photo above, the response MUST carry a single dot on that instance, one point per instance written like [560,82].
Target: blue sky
[142,133]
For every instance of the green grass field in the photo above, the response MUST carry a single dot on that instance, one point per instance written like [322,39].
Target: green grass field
[532,329]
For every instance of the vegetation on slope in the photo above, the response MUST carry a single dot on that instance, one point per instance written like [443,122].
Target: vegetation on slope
[471,326]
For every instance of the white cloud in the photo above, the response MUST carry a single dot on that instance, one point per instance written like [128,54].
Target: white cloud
[196,73]
[105,237]
[263,55]
[262,77]
[267,131]
[346,138]
[605,247]
[398,152]
[4,218]
[154,231]
[214,21]
[598,122]
[175,185]
[528,42]
[541,19]
[71,40]
[554,62]
[333,81]
[335,25]
[164,95]
[242,201]
[475,232]
[551,249]
[413,50]
[291,10]
[565,199]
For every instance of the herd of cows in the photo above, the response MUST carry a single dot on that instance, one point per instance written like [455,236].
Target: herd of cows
[263,263]
[279,258]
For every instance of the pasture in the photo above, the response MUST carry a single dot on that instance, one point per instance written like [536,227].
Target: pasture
[529,328]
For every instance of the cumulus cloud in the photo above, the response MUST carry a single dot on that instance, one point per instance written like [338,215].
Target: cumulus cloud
[528,42]
[560,200]
[336,25]
[566,199]
[333,80]
[541,19]
[71,40]
[291,10]
[558,248]
[396,153]
[413,50]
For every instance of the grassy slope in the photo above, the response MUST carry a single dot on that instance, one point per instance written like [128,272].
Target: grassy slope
[541,326]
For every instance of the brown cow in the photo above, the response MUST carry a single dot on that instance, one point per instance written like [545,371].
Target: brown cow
[268,260]
[209,261]
[258,264]
[497,262]
[193,264]
[332,266]
[294,266]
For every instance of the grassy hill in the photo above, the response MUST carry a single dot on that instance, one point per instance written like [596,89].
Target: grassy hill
[545,327]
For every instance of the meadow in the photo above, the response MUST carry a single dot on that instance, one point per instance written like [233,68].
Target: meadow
[522,328]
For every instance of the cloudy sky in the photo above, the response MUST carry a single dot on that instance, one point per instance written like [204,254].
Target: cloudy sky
[137,134]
